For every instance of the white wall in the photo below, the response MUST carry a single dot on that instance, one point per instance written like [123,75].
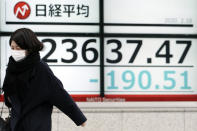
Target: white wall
[132,116]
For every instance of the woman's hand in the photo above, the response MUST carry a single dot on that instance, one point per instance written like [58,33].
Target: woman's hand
[83,125]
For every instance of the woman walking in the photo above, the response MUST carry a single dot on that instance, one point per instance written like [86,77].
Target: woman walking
[31,89]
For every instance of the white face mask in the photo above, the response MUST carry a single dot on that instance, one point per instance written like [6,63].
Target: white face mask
[18,54]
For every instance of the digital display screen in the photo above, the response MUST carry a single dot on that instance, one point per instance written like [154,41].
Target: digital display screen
[150,66]
[112,50]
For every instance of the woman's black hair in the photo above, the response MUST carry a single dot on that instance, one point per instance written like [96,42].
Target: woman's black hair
[26,39]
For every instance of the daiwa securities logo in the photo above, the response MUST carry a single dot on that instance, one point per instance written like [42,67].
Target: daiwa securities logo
[22,10]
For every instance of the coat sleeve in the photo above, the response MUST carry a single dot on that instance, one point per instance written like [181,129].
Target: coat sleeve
[63,101]
[7,102]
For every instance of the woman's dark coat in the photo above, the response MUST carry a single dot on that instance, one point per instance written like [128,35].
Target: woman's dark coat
[44,91]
